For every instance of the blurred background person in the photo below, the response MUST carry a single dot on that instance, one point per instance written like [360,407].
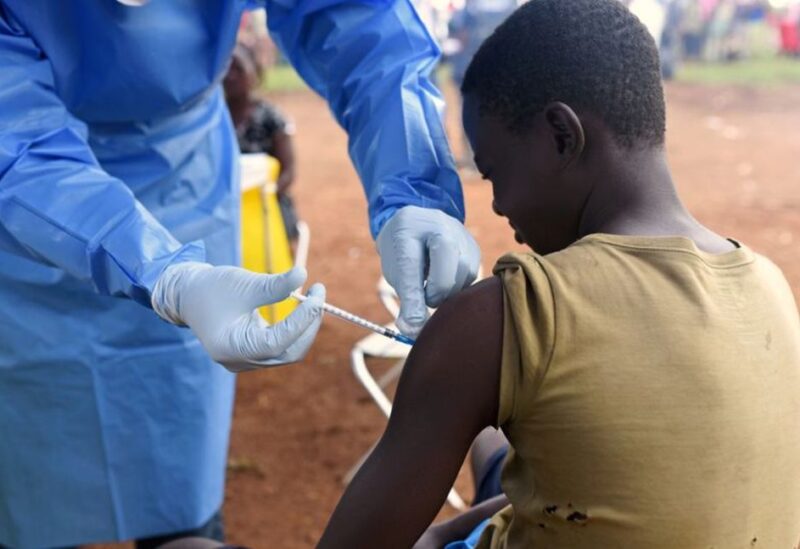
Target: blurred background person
[261,127]
[669,42]
[789,28]
[692,30]
[724,39]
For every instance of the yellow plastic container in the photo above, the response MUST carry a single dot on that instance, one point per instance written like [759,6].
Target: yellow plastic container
[265,246]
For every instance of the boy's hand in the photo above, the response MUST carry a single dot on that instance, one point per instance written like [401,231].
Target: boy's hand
[421,242]
[220,305]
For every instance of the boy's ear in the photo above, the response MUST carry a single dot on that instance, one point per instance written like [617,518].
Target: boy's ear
[567,131]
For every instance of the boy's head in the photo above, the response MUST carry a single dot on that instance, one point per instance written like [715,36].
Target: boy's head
[562,88]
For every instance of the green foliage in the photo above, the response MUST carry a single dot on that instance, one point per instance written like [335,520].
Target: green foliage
[766,71]
[282,78]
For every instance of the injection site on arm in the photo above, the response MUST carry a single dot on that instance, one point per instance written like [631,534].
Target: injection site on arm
[447,394]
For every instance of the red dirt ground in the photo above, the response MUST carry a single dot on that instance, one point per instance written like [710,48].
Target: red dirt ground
[735,154]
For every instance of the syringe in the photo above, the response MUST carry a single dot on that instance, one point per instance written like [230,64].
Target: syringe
[358,321]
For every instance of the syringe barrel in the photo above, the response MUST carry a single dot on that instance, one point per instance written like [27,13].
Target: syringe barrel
[344,315]
[358,321]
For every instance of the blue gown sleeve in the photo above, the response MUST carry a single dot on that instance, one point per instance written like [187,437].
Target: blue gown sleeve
[57,205]
[371,60]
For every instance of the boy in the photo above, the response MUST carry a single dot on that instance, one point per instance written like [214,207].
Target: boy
[645,370]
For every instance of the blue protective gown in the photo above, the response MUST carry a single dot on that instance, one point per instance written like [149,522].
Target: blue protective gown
[117,157]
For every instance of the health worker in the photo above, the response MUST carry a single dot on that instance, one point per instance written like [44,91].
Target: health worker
[119,229]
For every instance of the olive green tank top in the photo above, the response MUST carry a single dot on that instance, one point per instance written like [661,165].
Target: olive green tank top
[651,395]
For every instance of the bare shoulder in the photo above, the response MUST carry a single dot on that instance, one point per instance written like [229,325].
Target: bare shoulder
[470,318]
[457,356]
[477,305]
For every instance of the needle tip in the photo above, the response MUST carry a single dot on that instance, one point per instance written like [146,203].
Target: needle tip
[404,339]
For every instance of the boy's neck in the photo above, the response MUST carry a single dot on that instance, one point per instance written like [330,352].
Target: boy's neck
[635,195]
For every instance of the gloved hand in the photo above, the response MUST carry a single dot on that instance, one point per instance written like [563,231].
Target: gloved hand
[419,241]
[220,305]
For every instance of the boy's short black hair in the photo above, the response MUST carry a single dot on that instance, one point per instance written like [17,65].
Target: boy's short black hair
[593,55]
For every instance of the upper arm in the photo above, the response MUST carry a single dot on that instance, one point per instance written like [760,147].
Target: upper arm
[448,392]
[453,371]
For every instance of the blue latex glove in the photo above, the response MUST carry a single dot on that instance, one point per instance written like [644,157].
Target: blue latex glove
[220,305]
[417,241]
[371,61]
